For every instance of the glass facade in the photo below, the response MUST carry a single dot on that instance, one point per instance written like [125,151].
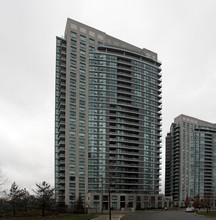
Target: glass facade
[122,118]
[194,140]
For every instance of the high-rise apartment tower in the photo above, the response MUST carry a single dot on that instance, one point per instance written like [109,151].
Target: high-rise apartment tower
[190,160]
[107,118]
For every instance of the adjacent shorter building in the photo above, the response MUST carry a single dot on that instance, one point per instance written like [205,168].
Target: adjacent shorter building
[190,159]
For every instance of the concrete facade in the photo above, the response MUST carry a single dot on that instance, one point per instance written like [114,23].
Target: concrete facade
[130,202]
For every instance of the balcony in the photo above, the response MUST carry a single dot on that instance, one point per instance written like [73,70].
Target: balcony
[62,181]
[61,150]
[61,170]
[62,110]
[61,163]
[61,156]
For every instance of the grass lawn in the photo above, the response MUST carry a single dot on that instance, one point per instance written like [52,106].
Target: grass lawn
[68,217]
[210,214]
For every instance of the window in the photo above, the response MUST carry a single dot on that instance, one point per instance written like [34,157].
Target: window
[72,184]
[72,172]
[82,102]
[73,35]
[72,178]
[96,197]
[72,159]
[72,139]
[73,56]
[82,71]
[73,42]
[114,198]
[73,49]
[72,146]
[81,160]
[72,166]
[83,46]
[82,185]
[72,152]
[73,120]
[72,113]
[82,77]
[82,52]
[82,192]
[72,106]
[91,41]
[82,147]
[82,166]
[82,65]
[73,94]
[81,172]
[102,56]
[81,179]
[72,68]
[82,96]
[81,134]
[82,141]
[72,100]
[82,90]
[83,59]
[73,81]
[82,84]
[96,205]
[82,38]
[73,87]
[73,62]
[73,75]
[82,121]
[82,154]
[72,191]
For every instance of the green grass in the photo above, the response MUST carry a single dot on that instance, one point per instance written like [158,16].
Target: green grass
[66,217]
[210,214]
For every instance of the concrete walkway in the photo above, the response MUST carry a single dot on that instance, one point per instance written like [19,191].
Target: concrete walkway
[115,215]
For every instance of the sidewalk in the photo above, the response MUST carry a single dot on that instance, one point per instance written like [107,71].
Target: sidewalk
[116,215]
[106,217]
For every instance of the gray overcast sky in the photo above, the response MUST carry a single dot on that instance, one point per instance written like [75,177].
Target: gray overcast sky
[182,32]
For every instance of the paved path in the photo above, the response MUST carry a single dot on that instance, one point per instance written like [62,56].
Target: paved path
[152,214]
[116,215]
[164,215]
[106,217]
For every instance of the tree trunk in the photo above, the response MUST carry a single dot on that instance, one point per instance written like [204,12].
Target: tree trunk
[43,210]
[14,211]
[109,202]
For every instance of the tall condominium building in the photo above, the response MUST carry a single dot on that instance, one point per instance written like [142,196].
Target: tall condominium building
[190,159]
[107,119]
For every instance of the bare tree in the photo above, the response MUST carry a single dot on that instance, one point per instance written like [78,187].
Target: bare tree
[197,203]
[25,197]
[79,206]
[206,203]
[14,197]
[3,179]
[110,183]
[45,195]
[187,202]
